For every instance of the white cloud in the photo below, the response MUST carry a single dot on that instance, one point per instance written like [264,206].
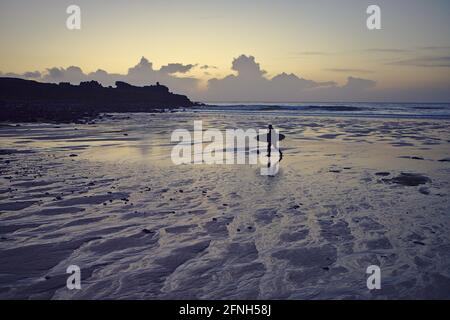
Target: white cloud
[251,84]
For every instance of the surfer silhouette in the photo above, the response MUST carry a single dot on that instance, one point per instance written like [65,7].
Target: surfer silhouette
[269,138]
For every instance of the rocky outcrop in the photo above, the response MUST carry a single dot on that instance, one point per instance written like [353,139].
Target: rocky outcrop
[31,101]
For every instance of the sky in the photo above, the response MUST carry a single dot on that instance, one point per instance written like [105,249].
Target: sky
[246,50]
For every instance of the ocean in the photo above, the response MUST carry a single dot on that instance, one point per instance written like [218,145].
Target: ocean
[341,109]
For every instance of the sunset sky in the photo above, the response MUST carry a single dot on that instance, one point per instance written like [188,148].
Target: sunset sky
[320,40]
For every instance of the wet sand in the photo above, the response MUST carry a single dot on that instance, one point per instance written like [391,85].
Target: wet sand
[351,192]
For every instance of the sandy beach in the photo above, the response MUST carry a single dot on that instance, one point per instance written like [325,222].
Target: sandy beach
[351,192]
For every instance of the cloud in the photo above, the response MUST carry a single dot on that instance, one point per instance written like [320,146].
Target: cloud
[32,75]
[358,84]
[144,66]
[12,75]
[246,67]
[248,81]
[252,84]
[176,67]
[291,80]
[144,74]
[72,74]
[140,74]
[54,74]
[432,48]
[434,61]
[105,78]
[205,66]
[387,50]
[349,70]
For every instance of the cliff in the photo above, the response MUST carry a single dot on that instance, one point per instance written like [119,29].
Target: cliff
[31,101]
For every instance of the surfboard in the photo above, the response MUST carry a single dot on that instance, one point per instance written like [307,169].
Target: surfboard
[265,136]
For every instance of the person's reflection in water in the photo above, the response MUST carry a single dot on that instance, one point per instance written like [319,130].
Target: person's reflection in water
[269,143]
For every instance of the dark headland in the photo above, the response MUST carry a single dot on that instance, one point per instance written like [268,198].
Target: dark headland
[32,101]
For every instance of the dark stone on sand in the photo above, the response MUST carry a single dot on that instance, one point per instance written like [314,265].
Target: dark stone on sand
[412,157]
[382,174]
[409,179]
[335,171]
[73,155]
[419,243]
[424,190]
[329,136]
[445,160]
[402,144]
[147,231]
